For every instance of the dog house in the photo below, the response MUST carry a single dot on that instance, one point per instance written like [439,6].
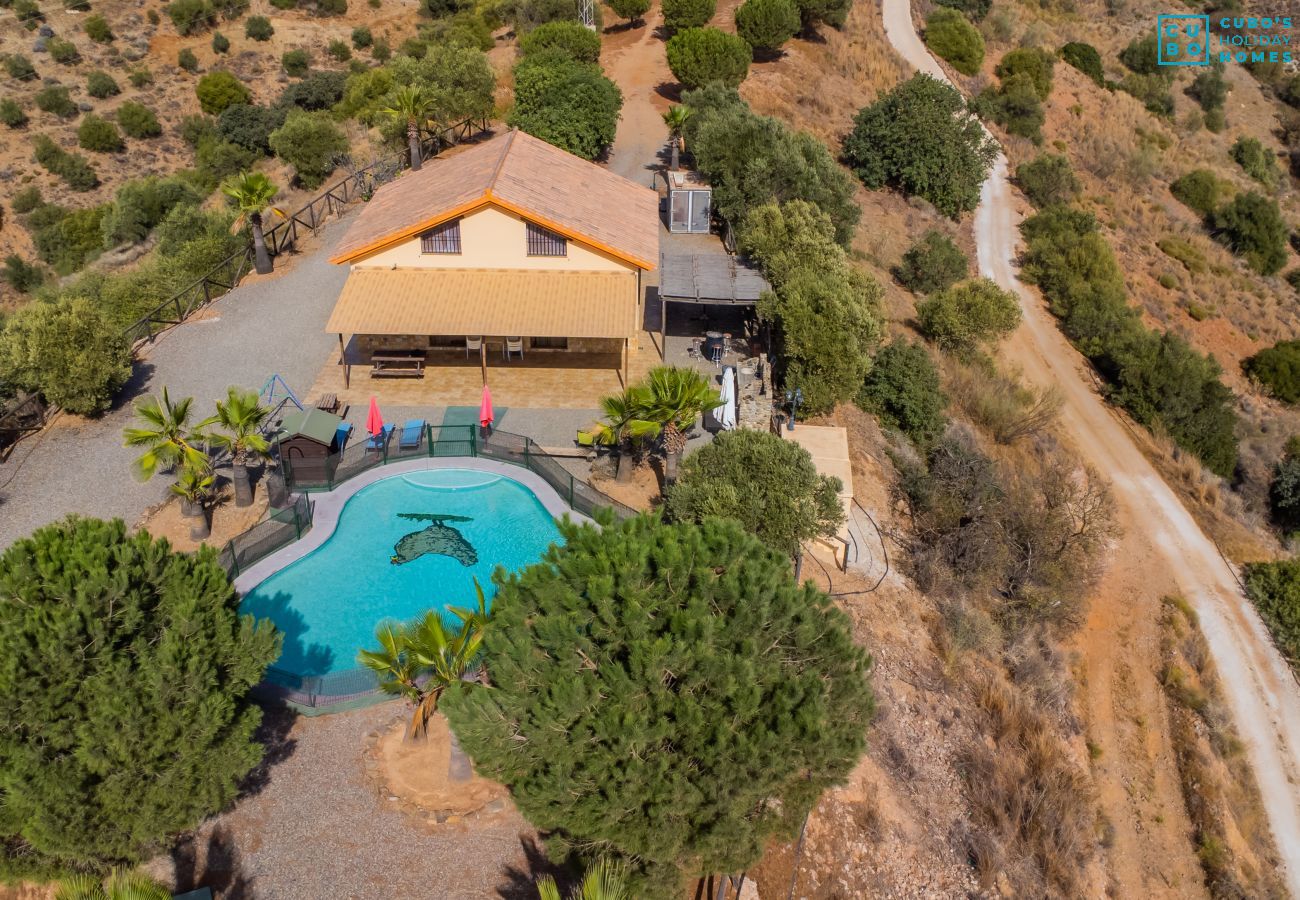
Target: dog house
[690,203]
[309,442]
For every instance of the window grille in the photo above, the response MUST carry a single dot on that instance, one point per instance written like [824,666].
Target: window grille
[444,238]
[543,242]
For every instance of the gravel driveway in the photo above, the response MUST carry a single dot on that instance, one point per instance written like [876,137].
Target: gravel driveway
[270,324]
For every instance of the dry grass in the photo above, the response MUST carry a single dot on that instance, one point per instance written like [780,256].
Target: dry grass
[1000,405]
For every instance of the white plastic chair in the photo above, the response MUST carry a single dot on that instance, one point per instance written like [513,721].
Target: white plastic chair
[473,343]
[514,345]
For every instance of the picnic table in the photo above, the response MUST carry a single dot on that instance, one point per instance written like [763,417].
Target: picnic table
[397,364]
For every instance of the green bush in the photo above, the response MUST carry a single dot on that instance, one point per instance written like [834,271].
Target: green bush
[525,15]
[11,113]
[751,160]
[250,126]
[75,171]
[381,52]
[1142,55]
[632,10]
[1210,89]
[100,84]
[1216,121]
[99,135]
[62,51]
[1015,106]
[767,24]
[1035,63]
[1252,227]
[295,62]
[190,16]
[258,28]
[1152,91]
[21,275]
[361,37]
[1277,368]
[465,29]
[1048,180]
[1274,588]
[697,592]
[1284,489]
[832,12]
[216,160]
[934,263]
[138,120]
[142,204]
[967,316]
[1198,190]
[187,60]
[786,237]
[565,102]
[903,391]
[218,90]
[55,99]
[975,10]
[339,50]
[194,129]
[572,38]
[27,200]
[682,14]
[220,43]
[96,28]
[921,139]
[141,77]
[19,67]
[78,360]
[1086,59]
[330,7]
[319,90]
[700,56]
[1257,161]
[27,12]
[285,4]
[149,750]
[952,37]
[311,143]
[67,239]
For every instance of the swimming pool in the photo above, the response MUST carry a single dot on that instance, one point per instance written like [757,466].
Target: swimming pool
[402,545]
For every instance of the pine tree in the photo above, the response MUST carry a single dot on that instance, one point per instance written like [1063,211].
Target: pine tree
[124,678]
[665,695]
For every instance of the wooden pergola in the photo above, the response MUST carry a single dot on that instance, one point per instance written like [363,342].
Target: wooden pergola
[711,279]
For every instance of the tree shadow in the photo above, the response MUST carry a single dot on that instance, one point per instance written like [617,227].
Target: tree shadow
[274,734]
[620,27]
[136,386]
[521,883]
[297,656]
[670,91]
[212,862]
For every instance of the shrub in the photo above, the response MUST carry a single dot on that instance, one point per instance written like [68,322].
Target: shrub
[285,4]
[1015,106]
[632,10]
[966,316]
[66,239]
[216,160]
[1152,91]
[99,135]
[138,120]
[696,589]
[682,14]
[566,103]
[27,200]
[903,391]
[190,16]
[1216,121]
[1142,55]
[141,77]
[12,114]
[218,90]
[72,168]
[1284,489]
[195,129]
[310,142]
[220,43]
[187,60]
[921,139]
[832,12]
[97,30]
[751,160]
[70,353]
[55,99]
[100,84]
[1048,180]
[319,90]
[339,50]
[295,62]
[1210,89]
[1086,59]
[784,238]
[934,263]
[952,37]
[27,12]
[1035,63]
[19,67]
[975,10]
[140,205]
[381,52]
[526,15]
[1199,190]
[700,56]
[767,24]
[571,38]
[331,7]
[1274,588]
[258,28]
[21,275]
[466,29]
[1256,161]
[361,37]
[62,51]
[250,126]
[1252,226]
[1277,368]
[149,750]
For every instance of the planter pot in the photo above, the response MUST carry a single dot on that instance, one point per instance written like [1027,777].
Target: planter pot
[459,767]
[198,518]
[625,466]
[277,494]
[243,485]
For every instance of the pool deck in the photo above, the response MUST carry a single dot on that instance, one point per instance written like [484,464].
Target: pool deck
[327,507]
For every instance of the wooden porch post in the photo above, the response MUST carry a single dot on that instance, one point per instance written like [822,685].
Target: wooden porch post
[482,357]
[663,328]
[623,376]
[343,360]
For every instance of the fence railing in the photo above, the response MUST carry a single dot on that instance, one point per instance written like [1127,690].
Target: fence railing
[25,415]
[307,476]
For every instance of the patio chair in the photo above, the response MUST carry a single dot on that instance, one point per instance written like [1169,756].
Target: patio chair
[412,433]
[342,433]
[380,441]
[514,345]
[473,343]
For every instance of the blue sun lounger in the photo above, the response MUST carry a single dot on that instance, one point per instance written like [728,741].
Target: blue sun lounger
[380,441]
[412,433]
[341,435]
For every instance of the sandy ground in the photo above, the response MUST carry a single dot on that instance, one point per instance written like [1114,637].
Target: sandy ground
[1162,550]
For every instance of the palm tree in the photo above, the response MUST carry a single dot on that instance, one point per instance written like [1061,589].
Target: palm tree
[675,118]
[412,105]
[242,416]
[677,398]
[169,439]
[603,881]
[194,485]
[118,886]
[625,427]
[253,193]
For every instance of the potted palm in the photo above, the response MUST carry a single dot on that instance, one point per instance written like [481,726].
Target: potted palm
[118,886]
[411,105]
[241,416]
[626,425]
[677,397]
[174,443]
[194,486]
[605,880]
[675,118]
[252,193]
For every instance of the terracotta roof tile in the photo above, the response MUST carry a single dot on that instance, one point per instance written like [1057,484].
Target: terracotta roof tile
[520,172]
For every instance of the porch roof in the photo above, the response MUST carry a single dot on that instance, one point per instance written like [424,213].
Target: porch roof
[535,303]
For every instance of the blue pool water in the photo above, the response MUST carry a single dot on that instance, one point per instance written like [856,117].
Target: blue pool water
[379,565]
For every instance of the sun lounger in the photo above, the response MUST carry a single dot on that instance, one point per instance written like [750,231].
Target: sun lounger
[380,441]
[341,435]
[412,432]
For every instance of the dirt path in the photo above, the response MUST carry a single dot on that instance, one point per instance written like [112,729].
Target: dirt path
[635,61]
[1162,549]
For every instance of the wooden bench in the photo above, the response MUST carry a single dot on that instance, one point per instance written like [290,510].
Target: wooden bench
[329,403]
[397,364]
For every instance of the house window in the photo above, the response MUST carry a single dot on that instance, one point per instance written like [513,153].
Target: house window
[549,343]
[542,242]
[444,238]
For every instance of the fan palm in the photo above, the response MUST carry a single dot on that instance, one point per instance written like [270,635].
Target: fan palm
[241,417]
[169,438]
[677,397]
[411,105]
[193,485]
[626,425]
[603,881]
[253,193]
[675,118]
[118,886]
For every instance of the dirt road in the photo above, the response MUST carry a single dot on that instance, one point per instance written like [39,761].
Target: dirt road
[1162,546]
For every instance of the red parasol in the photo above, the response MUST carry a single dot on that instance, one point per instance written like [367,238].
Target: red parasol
[374,421]
[485,415]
